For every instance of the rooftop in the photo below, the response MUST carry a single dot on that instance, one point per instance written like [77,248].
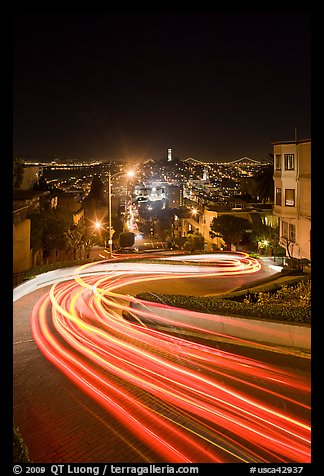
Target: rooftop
[299,141]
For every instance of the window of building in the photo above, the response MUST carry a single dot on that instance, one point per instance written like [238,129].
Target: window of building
[290,197]
[278,196]
[278,161]
[292,232]
[289,162]
[284,229]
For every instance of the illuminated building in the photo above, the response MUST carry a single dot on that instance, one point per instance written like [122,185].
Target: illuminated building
[292,192]
[175,196]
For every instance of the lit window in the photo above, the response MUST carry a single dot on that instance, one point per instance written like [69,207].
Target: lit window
[284,229]
[289,162]
[292,232]
[290,197]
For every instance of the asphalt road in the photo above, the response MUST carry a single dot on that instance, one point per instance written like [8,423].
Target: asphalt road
[102,391]
[200,286]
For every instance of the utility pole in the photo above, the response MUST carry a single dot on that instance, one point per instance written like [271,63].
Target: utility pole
[130,173]
[109,215]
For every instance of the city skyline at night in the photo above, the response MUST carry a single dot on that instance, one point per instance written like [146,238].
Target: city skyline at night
[215,87]
[161,244]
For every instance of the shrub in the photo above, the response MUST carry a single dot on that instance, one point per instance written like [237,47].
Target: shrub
[298,294]
[271,310]
[33,272]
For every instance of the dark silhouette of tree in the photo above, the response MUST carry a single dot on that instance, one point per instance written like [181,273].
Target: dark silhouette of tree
[262,232]
[88,242]
[126,239]
[42,184]
[194,242]
[36,231]
[48,230]
[18,172]
[97,190]
[179,242]
[75,238]
[265,183]
[229,227]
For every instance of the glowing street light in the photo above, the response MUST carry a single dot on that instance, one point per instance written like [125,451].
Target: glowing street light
[129,173]
[97,225]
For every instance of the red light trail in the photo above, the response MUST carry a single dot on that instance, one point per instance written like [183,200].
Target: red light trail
[186,401]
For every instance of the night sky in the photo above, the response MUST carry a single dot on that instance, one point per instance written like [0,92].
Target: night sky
[214,86]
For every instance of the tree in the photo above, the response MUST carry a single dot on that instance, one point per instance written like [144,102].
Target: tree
[169,239]
[126,239]
[97,189]
[179,242]
[36,231]
[18,172]
[265,183]
[117,225]
[42,184]
[54,234]
[75,238]
[229,227]
[262,233]
[194,242]
[48,230]
[88,242]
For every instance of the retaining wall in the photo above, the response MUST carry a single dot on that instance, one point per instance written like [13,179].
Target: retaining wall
[243,328]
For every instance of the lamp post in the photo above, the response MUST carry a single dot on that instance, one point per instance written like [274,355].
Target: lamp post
[130,173]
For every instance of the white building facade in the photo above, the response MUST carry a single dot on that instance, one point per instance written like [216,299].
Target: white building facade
[292,196]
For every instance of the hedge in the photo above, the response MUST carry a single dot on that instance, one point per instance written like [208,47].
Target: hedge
[216,305]
[268,285]
[31,273]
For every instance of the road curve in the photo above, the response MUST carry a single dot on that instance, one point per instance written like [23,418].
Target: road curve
[182,401]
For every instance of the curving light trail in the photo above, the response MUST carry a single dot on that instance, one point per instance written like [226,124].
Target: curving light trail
[187,402]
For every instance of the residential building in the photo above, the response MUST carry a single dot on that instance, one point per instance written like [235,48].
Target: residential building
[22,254]
[292,192]
[200,220]
[31,177]
[174,194]
[25,202]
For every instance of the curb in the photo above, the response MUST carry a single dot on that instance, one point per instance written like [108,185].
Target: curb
[285,335]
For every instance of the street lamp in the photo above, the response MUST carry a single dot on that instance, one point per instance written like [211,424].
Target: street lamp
[97,225]
[130,173]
